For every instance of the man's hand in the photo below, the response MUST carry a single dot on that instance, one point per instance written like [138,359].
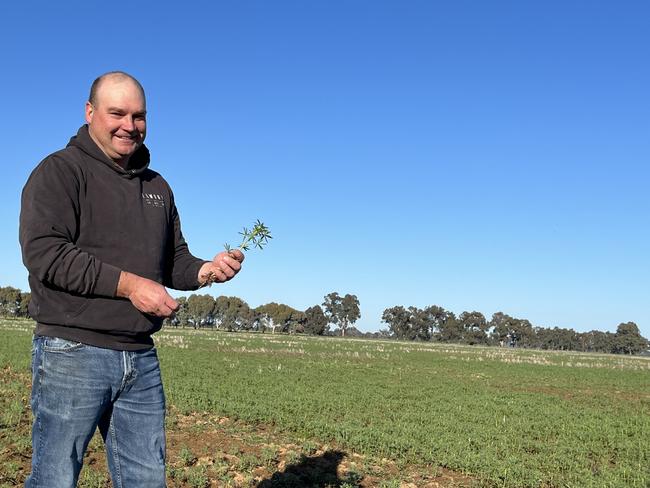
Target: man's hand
[146,295]
[223,267]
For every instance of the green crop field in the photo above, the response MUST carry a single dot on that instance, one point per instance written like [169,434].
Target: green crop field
[415,414]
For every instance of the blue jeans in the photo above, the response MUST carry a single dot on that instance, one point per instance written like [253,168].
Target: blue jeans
[77,388]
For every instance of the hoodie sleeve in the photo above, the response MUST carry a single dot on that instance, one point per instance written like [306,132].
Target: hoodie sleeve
[49,225]
[182,268]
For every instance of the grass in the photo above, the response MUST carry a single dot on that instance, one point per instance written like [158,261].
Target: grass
[495,417]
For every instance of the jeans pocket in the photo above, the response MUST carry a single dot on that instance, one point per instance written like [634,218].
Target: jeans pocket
[56,344]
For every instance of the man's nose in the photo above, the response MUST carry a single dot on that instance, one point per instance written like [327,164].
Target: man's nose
[128,124]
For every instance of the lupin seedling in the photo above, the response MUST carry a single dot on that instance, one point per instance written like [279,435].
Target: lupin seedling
[257,237]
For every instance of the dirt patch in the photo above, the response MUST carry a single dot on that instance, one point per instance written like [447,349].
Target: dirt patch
[205,450]
[237,454]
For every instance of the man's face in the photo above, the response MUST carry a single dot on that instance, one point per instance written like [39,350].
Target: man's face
[117,121]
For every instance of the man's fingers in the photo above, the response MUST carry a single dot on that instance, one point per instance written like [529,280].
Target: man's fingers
[228,271]
[237,254]
[227,261]
[223,267]
[217,274]
[164,311]
[171,303]
[232,264]
[221,274]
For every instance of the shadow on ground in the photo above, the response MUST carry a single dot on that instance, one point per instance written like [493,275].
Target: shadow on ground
[310,472]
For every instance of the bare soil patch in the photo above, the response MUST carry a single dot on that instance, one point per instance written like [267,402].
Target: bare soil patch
[205,450]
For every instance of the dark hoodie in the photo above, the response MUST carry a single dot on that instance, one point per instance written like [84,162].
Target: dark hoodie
[84,219]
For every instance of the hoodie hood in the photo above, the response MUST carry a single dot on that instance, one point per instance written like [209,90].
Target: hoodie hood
[138,163]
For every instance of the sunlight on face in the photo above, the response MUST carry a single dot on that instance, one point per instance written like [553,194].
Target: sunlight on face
[117,120]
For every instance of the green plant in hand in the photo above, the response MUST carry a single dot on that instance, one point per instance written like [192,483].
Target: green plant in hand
[258,237]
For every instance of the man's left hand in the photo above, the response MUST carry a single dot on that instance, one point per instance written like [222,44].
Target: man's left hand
[222,268]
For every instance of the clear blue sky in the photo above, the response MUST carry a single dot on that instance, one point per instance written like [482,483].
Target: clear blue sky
[488,156]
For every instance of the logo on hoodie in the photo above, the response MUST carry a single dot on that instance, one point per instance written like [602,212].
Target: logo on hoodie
[153,199]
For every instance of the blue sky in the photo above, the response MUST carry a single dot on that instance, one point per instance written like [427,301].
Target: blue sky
[488,156]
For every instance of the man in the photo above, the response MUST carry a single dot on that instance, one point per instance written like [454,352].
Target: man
[101,238]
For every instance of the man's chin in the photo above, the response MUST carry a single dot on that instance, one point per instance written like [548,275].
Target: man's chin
[126,153]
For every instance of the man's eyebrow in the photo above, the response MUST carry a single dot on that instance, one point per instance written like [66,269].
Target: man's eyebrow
[121,110]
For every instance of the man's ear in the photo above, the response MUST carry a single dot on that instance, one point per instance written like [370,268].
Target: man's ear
[90,110]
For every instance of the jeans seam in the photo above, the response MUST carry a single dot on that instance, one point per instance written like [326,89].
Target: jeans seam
[116,458]
[134,370]
[39,425]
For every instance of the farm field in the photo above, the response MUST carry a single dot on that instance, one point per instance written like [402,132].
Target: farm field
[278,410]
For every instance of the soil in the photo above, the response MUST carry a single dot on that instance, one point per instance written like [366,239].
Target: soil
[204,451]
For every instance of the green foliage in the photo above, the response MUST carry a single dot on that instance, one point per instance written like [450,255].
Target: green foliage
[436,324]
[432,323]
[92,478]
[507,330]
[258,237]
[342,311]
[11,415]
[268,456]
[505,417]
[390,484]
[514,418]
[13,302]
[628,339]
[474,327]
[197,477]
[233,313]
[315,321]
[187,456]
[281,317]
[352,479]
[419,324]
[200,310]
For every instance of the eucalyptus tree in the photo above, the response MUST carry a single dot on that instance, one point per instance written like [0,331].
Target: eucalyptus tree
[315,321]
[450,329]
[413,323]
[342,311]
[200,310]
[10,299]
[597,341]
[232,313]
[501,326]
[181,316]
[23,307]
[628,339]
[474,327]
[397,319]
[438,316]
[280,317]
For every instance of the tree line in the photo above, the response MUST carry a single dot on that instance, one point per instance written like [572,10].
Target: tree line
[432,323]
[13,302]
[233,314]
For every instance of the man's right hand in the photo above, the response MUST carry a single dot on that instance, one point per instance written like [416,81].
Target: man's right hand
[146,295]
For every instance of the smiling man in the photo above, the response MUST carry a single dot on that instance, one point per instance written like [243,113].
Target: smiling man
[101,239]
[117,116]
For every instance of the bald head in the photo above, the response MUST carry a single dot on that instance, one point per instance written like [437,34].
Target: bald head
[113,76]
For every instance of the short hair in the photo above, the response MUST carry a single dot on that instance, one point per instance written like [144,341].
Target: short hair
[121,75]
